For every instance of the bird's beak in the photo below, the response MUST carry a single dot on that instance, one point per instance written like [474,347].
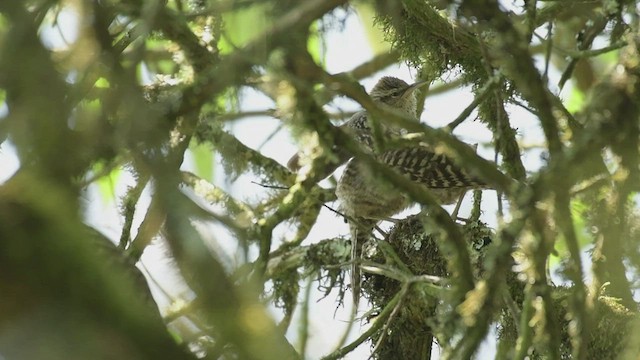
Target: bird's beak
[413,87]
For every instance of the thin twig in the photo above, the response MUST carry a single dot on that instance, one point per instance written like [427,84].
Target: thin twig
[596,52]
[383,332]
[268,186]
[384,314]
[303,327]
[480,97]
[286,188]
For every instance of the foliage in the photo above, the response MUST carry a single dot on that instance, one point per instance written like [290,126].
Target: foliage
[141,84]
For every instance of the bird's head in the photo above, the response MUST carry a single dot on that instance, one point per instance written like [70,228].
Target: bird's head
[396,93]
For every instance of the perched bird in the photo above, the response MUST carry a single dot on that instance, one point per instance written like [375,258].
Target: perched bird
[366,200]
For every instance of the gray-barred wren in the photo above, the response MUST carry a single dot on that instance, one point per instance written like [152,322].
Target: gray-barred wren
[366,200]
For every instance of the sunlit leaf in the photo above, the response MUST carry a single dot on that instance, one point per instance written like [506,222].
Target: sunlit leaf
[315,45]
[367,14]
[202,159]
[4,27]
[102,83]
[609,58]
[243,26]
[575,102]
[159,56]
[107,181]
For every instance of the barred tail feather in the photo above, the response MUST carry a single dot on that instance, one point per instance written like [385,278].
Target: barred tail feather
[436,171]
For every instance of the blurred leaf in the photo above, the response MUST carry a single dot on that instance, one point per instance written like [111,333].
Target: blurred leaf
[230,99]
[3,114]
[4,28]
[159,56]
[202,160]
[107,182]
[609,58]
[367,16]
[243,26]
[578,212]
[315,45]
[103,83]
[87,115]
[575,102]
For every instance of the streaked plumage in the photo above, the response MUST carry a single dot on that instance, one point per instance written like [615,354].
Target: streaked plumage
[367,200]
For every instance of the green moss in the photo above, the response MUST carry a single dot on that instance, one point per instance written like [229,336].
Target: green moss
[424,312]
[608,335]
[427,39]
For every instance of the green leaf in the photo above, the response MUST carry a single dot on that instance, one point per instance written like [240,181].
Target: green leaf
[102,83]
[575,102]
[203,159]
[159,56]
[315,45]
[367,16]
[107,182]
[609,58]
[4,27]
[243,26]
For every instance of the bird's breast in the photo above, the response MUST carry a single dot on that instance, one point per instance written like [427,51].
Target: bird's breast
[362,195]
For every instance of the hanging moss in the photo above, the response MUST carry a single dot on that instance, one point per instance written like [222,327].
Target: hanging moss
[424,36]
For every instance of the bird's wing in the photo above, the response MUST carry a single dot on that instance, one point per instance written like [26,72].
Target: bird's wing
[422,165]
[358,127]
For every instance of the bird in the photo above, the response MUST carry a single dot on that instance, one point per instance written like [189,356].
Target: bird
[364,199]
